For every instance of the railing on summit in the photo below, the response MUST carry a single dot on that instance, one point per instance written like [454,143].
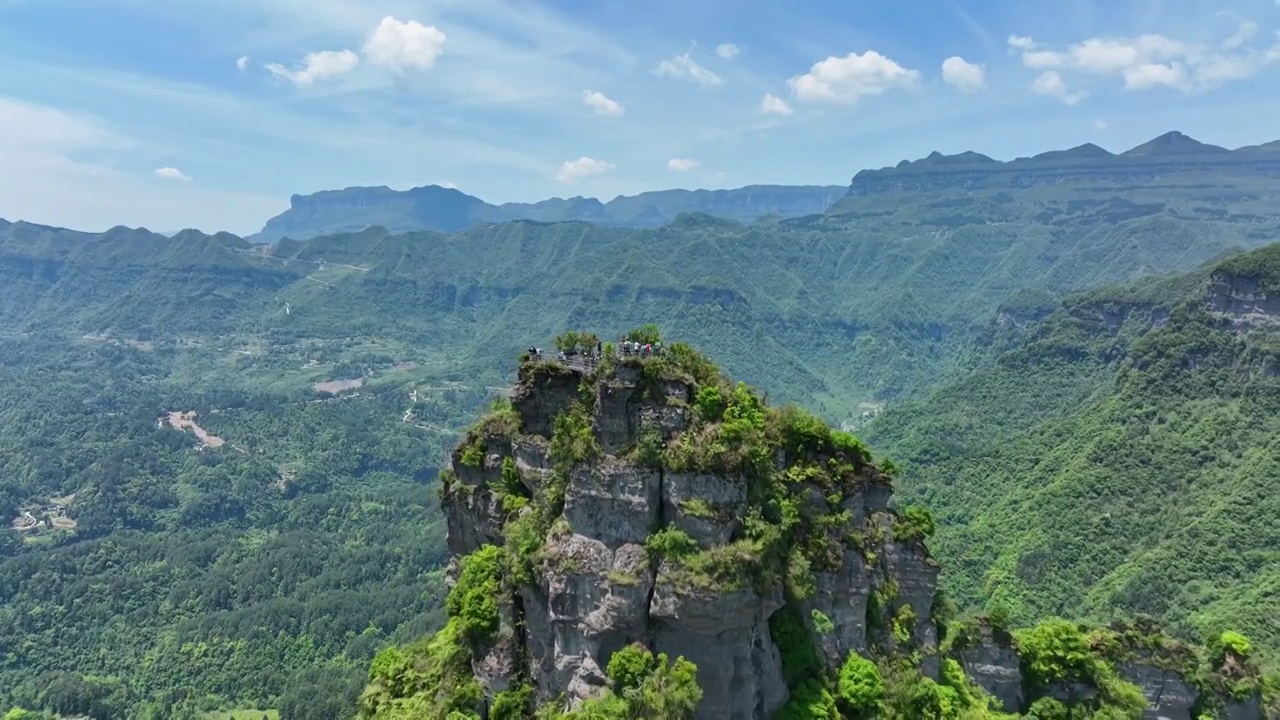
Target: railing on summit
[589,361]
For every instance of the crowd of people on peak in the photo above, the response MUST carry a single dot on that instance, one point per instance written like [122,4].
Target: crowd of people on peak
[625,348]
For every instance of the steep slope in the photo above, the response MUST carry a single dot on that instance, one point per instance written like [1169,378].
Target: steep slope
[1119,455]
[638,537]
[446,210]
[830,310]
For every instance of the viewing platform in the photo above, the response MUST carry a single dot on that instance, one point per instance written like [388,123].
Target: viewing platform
[588,361]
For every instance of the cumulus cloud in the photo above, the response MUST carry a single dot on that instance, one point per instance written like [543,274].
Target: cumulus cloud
[728,51]
[169,173]
[962,75]
[1150,61]
[850,78]
[584,167]
[683,66]
[243,63]
[602,104]
[1100,124]
[317,66]
[1050,83]
[774,105]
[402,45]
[681,164]
[1018,42]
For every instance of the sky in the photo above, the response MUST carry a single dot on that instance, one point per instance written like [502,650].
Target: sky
[170,114]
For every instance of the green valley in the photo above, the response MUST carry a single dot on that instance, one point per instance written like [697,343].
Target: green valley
[221,456]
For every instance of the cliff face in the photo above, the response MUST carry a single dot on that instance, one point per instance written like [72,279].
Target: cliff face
[1249,302]
[615,516]
[644,552]
[1174,680]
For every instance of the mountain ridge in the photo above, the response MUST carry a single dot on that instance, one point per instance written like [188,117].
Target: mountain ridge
[448,210]
[433,207]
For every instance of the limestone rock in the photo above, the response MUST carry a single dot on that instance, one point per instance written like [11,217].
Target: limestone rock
[994,666]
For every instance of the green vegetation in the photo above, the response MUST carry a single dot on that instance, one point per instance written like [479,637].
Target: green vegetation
[188,584]
[1130,462]
[860,689]
[433,678]
[1262,265]
[644,686]
[1118,457]
[871,301]
[785,534]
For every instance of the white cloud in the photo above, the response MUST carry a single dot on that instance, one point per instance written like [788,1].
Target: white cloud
[774,105]
[1150,61]
[850,78]
[728,51]
[243,63]
[317,66]
[1018,42]
[169,173]
[683,66]
[584,167]
[681,164]
[1050,83]
[602,104]
[1244,34]
[402,45]
[1099,124]
[24,126]
[449,184]
[964,76]
[44,149]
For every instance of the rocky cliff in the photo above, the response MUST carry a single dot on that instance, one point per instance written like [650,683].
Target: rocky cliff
[643,538]
[1164,678]
[654,537]
[1246,290]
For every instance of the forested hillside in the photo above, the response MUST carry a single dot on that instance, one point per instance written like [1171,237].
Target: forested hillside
[858,305]
[1119,456]
[221,457]
[162,574]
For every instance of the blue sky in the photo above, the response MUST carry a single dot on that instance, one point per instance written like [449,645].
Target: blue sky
[210,113]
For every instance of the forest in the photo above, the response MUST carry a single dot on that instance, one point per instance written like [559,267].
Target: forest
[262,573]
[1059,448]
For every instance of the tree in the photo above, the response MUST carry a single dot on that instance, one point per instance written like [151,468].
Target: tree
[567,342]
[644,334]
[860,689]
[670,693]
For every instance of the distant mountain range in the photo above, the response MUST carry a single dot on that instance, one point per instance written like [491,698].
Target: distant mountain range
[448,210]
[969,170]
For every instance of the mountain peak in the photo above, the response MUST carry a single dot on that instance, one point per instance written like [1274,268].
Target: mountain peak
[968,157]
[1087,151]
[1174,143]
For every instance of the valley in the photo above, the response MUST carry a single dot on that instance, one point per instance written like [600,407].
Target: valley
[1070,358]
